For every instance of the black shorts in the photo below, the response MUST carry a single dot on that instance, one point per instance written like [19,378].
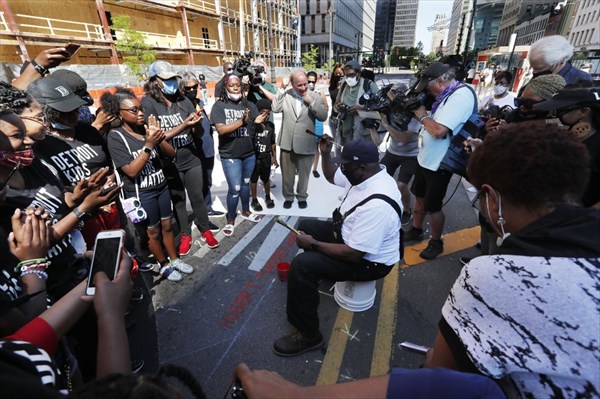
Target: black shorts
[407,166]
[431,186]
[156,203]
[262,169]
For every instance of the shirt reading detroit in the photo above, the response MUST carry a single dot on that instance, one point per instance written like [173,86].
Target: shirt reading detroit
[232,115]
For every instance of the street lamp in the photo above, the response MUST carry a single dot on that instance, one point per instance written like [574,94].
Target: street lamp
[358,36]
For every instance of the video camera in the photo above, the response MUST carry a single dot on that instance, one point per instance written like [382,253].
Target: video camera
[243,67]
[396,101]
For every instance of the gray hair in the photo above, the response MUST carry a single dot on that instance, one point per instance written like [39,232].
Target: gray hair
[449,75]
[185,77]
[551,50]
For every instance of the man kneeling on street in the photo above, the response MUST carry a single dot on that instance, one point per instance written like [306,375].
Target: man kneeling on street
[360,244]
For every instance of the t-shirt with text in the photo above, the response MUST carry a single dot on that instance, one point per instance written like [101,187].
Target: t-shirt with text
[237,144]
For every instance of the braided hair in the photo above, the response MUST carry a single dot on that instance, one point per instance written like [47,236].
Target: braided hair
[141,386]
[244,101]
[13,99]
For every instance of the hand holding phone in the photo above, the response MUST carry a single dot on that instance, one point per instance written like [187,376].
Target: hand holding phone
[107,254]
[72,48]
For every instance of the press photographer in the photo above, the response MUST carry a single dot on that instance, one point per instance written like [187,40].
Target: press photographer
[347,104]
[454,104]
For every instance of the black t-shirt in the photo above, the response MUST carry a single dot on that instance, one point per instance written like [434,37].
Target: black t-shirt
[238,144]
[43,188]
[170,117]
[592,192]
[78,158]
[264,139]
[151,177]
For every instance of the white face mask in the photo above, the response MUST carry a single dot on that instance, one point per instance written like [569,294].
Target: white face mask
[499,90]
[351,81]
[234,96]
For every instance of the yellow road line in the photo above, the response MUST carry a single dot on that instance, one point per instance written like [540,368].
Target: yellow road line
[386,320]
[330,370]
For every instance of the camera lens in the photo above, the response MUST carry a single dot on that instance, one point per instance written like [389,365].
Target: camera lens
[136,203]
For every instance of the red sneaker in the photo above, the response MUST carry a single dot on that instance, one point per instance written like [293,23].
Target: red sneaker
[185,245]
[209,239]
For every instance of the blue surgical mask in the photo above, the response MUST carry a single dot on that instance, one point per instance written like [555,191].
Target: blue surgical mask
[170,86]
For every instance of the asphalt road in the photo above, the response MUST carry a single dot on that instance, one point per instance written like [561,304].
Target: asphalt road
[233,307]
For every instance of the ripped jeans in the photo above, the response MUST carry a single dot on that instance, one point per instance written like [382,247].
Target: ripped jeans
[237,173]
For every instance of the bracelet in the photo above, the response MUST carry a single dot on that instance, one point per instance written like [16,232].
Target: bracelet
[36,266]
[40,273]
[40,69]
[29,262]
[421,119]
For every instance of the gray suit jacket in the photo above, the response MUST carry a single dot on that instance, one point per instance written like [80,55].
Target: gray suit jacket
[293,136]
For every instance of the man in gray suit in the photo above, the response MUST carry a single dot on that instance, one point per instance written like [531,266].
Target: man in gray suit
[300,108]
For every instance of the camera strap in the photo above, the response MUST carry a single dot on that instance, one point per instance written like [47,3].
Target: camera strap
[137,190]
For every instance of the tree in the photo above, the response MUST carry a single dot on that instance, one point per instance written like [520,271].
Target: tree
[133,43]
[309,59]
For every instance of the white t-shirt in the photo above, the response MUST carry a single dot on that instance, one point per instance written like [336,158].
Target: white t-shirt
[508,99]
[371,227]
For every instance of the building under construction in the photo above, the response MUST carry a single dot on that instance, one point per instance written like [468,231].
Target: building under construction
[187,32]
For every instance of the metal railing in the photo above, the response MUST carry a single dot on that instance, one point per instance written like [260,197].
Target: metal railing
[29,24]
[3,24]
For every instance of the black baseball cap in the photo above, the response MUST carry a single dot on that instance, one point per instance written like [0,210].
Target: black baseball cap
[75,83]
[363,151]
[54,93]
[566,98]
[263,103]
[432,72]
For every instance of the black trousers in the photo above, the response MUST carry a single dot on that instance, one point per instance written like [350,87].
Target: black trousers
[310,267]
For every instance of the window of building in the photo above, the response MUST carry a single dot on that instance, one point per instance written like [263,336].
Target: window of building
[206,37]
[323,23]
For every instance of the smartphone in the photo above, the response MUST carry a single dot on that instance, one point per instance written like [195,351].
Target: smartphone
[414,347]
[72,48]
[107,253]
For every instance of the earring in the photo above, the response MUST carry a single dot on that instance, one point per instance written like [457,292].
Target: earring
[501,221]
[582,129]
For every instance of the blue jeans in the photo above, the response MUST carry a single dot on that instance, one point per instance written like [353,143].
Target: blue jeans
[237,173]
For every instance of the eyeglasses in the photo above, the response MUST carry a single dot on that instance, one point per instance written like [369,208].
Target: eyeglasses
[525,102]
[229,69]
[38,119]
[132,111]
[351,75]
[188,89]
[312,81]
[475,200]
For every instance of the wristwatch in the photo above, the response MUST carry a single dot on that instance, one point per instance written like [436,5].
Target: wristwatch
[147,150]
[39,68]
[77,212]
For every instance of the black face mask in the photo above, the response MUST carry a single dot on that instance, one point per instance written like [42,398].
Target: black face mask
[191,95]
[536,74]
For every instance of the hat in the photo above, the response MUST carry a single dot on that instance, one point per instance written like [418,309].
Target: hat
[432,72]
[566,98]
[163,70]
[353,65]
[362,150]
[263,103]
[56,94]
[546,86]
[75,83]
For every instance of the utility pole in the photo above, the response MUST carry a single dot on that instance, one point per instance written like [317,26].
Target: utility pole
[298,33]
[358,36]
[331,14]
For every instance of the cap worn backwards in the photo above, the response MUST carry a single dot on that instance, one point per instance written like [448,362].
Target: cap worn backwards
[163,70]
[432,72]
[363,151]
[54,93]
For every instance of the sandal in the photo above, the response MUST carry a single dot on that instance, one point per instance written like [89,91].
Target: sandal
[228,230]
[252,217]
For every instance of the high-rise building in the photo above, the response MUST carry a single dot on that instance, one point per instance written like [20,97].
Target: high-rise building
[585,36]
[405,23]
[532,25]
[353,27]
[439,31]
[486,26]
[384,24]
[460,20]
[514,11]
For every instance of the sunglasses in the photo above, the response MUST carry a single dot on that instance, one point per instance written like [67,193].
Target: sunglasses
[525,103]
[132,111]
[188,89]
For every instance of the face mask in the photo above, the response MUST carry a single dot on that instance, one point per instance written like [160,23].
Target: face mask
[499,90]
[351,82]
[311,86]
[22,158]
[60,126]
[536,74]
[229,71]
[191,96]
[170,86]
[234,96]
[263,76]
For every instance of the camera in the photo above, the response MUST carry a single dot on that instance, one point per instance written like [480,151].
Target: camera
[243,67]
[133,209]
[396,101]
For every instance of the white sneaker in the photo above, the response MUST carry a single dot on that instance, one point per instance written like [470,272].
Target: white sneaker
[181,266]
[170,273]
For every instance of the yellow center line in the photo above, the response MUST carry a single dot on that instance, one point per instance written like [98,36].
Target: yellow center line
[386,320]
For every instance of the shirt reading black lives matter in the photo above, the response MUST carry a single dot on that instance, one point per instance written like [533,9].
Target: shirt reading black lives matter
[78,158]
[43,188]
[264,139]
[169,118]
[151,177]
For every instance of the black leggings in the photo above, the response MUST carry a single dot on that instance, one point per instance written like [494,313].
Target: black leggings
[190,180]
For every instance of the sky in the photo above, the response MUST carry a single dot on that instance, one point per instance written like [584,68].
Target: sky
[428,9]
